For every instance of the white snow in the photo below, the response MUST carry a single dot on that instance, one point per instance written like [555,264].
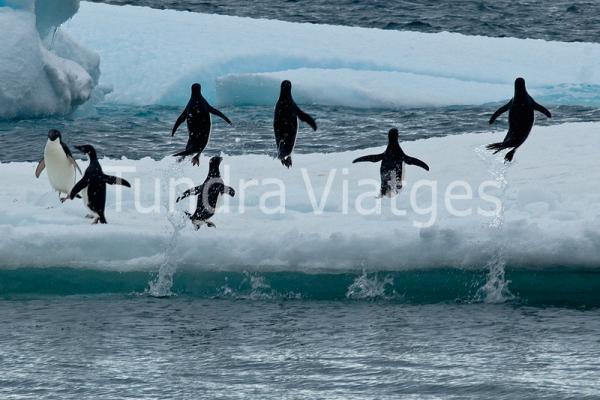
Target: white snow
[42,74]
[552,212]
[152,56]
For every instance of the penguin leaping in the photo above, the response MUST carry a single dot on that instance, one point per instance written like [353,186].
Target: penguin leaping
[392,160]
[520,120]
[208,195]
[285,123]
[59,163]
[197,115]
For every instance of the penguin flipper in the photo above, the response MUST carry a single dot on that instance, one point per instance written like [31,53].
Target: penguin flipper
[218,113]
[415,161]
[40,167]
[304,117]
[79,186]
[74,163]
[370,158]
[113,180]
[500,111]
[542,109]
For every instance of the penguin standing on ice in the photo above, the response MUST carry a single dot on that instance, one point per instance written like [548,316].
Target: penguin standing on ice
[392,160]
[520,119]
[197,114]
[285,123]
[94,183]
[59,163]
[208,195]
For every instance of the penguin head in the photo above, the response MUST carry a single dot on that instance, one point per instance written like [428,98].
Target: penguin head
[87,149]
[53,134]
[213,166]
[215,161]
[286,87]
[520,86]
[393,135]
[196,90]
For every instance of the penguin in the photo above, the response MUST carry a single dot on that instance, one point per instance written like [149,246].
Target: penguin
[285,123]
[197,114]
[392,158]
[520,120]
[208,195]
[60,164]
[94,183]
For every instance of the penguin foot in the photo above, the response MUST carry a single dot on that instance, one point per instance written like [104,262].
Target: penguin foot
[95,220]
[89,216]
[196,160]
[210,224]
[63,199]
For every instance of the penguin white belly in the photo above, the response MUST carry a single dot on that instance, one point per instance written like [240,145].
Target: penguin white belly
[61,173]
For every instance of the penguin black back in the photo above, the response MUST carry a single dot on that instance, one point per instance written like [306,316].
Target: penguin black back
[197,115]
[94,181]
[520,119]
[392,159]
[285,123]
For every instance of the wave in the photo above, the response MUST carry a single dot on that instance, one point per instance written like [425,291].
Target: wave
[236,59]
[554,287]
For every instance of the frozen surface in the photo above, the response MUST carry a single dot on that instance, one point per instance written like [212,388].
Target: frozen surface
[552,212]
[152,56]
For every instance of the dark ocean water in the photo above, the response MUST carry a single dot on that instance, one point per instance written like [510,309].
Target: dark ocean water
[562,20]
[135,132]
[131,347]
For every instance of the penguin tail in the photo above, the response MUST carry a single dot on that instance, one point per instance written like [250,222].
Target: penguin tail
[496,147]
[101,218]
[286,161]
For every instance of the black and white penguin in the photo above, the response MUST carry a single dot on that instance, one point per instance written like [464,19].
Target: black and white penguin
[520,119]
[392,160]
[285,123]
[59,163]
[197,114]
[208,195]
[94,183]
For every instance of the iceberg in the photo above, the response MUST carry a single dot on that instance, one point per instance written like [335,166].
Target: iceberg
[43,71]
[153,56]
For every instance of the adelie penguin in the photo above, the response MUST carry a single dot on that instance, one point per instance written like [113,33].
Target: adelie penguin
[59,163]
[392,160]
[94,183]
[520,119]
[197,115]
[285,123]
[208,195]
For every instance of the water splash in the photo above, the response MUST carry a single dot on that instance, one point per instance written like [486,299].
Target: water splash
[161,285]
[495,289]
[371,288]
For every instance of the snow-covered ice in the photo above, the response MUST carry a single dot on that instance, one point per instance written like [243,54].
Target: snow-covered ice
[552,212]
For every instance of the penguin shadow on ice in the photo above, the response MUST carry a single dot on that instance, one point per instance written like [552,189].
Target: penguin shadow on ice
[285,123]
[392,160]
[61,168]
[520,120]
[197,115]
[208,195]
[93,185]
